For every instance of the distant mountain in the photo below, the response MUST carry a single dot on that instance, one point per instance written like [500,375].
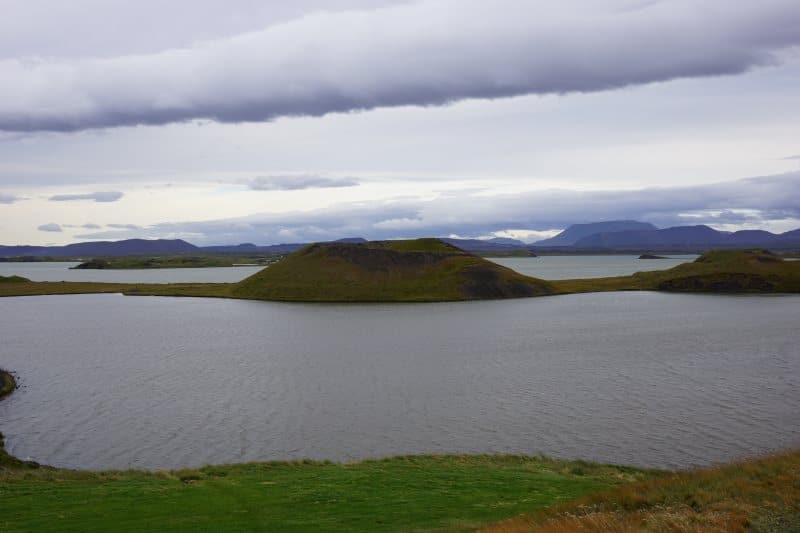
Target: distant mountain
[249,248]
[478,246]
[103,248]
[506,240]
[688,238]
[576,232]
[352,240]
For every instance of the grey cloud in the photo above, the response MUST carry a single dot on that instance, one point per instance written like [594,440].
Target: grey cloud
[431,52]
[90,225]
[9,198]
[791,157]
[124,226]
[752,200]
[50,227]
[101,196]
[296,183]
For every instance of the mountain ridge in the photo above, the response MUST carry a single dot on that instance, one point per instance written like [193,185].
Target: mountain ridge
[575,232]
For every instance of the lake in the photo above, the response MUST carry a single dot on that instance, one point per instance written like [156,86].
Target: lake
[588,266]
[644,378]
[545,267]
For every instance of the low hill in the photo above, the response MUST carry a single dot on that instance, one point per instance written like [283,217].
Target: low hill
[13,279]
[716,271]
[496,246]
[576,232]
[387,271]
[731,271]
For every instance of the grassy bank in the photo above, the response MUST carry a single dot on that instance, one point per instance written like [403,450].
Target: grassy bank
[41,288]
[760,495]
[454,493]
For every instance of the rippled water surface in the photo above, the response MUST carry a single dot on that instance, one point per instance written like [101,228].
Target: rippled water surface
[60,271]
[588,266]
[644,378]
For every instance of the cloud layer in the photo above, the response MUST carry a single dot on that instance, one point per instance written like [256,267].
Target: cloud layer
[101,196]
[296,183]
[431,52]
[52,227]
[8,198]
[753,201]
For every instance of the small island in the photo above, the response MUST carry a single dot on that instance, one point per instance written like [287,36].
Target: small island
[420,270]
[652,256]
[175,261]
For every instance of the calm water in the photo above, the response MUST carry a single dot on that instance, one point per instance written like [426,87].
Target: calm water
[643,378]
[545,267]
[588,266]
[62,272]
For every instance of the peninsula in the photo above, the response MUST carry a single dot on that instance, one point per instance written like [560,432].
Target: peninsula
[430,270]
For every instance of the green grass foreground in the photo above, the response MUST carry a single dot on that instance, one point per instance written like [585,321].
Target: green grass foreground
[452,493]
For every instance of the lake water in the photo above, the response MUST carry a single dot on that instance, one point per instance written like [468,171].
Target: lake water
[545,267]
[588,266]
[642,378]
[60,271]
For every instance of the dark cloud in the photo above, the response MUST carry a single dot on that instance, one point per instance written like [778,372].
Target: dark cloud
[52,227]
[101,196]
[9,198]
[431,52]
[124,226]
[754,200]
[296,183]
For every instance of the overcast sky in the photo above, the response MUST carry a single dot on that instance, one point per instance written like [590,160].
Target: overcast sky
[271,121]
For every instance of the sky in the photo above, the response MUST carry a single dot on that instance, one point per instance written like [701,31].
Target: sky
[269,121]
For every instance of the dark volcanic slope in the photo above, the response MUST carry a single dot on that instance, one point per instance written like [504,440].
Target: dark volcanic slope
[387,271]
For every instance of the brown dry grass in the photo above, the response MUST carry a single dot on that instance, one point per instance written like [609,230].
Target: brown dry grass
[753,495]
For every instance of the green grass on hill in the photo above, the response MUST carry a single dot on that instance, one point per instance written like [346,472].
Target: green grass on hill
[13,279]
[387,271]
[717,271]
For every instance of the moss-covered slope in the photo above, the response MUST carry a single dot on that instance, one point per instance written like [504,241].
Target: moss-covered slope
[732,271]
[387,271]
[13,279]
[716,271]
